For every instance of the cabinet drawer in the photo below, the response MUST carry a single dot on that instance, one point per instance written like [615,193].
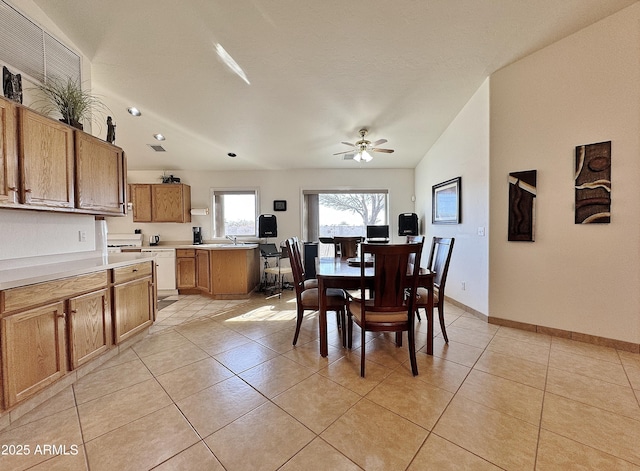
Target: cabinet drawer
[40,293]
[185,253]
[131,272]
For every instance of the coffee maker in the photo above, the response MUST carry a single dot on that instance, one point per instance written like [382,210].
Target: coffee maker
[197,235]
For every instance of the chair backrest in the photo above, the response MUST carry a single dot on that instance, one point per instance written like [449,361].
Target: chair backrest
[394,273]
[296,265]
[439,259]
[413,239]
[348,246]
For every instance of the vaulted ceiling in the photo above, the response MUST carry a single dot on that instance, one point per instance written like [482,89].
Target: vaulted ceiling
[316,72]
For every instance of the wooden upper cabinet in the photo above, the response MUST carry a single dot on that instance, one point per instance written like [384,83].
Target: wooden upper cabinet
[140,195]
[46,161]
[8,153]
[163,202]
[100,175]
[171,203]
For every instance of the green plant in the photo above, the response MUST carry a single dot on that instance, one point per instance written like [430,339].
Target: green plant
[69,99]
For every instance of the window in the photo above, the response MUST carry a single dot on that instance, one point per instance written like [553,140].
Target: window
[343,213]
[235,213]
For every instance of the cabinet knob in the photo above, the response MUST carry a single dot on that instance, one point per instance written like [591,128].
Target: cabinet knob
[135,270]
[27,190]
[74,311]
[62,315]
[13,188]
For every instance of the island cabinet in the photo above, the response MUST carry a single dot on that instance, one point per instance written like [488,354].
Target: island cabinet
[100,175]
[185,269]
[46,161]
[134,299]
[8,153]
[234,273]
[161,202]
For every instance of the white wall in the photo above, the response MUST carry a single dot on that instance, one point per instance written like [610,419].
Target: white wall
[272,185]
[25,234]
[580,90]
[462,150]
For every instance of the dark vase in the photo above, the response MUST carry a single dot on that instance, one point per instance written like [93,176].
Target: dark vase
[73,123]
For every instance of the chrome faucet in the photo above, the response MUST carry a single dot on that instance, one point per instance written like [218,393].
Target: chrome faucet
[234,239]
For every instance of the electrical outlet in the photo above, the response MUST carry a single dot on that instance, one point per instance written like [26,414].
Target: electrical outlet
[481,231]
[463,285]
[82,236]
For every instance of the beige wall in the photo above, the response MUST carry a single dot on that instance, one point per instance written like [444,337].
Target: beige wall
[272,185]
[580,90]
[462,151]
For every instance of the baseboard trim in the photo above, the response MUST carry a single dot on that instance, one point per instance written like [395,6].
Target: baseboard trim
[565,334]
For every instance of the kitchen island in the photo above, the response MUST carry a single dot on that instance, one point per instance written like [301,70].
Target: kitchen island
[221,271]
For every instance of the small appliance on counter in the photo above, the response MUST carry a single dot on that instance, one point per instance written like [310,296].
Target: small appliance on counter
[197,235]
[154,239]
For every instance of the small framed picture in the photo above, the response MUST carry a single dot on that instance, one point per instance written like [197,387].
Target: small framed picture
[279,205]
[446,202]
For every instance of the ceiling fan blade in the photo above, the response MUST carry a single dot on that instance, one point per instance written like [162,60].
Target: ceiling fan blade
[348,144]
[345,152]
[386,151]
[379,141]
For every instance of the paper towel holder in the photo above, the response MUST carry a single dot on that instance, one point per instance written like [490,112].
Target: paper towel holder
[199,211]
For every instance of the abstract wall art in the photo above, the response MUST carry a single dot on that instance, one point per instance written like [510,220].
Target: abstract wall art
[593,183]
[522,205]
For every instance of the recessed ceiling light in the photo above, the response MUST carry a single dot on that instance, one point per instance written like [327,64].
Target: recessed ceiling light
[231,154]
[133,111]
[159,137]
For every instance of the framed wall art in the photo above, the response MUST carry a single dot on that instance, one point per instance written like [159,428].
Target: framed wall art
[279,205]
[522,205]
[593,183]
[446,201]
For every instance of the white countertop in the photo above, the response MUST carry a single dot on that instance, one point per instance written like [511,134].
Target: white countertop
[12,278]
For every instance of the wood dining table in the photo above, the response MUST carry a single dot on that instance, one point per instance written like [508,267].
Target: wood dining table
[337,272]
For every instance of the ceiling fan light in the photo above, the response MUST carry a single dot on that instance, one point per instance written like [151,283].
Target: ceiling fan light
[366,156]
[357,156]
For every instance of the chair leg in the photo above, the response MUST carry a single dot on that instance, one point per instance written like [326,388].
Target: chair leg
[398,339]
[362,351]
[418,314]
[412,351]
[298,324]
[442,327]
[350,332]
[344,327]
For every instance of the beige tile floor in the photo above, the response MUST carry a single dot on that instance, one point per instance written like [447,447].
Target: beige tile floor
[218,385]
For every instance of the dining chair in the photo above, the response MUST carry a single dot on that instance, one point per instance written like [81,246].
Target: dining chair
[389,310]
[439,258]
[307,299]
[347,246]
[295,252]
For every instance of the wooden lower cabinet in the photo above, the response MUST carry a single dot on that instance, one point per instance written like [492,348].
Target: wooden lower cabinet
[134,306]
[33,351]
[48,329]
[203,270]
[89,324]
[185,269]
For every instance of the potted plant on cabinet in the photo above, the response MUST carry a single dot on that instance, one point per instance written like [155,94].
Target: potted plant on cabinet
[69,99]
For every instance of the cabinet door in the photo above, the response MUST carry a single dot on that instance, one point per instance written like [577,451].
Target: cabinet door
[46,158]
[203,271]
[33,351]
[171,203]
[141,201]
[99,176]
[133,306]
[186,272]
[8,153]
[89,322]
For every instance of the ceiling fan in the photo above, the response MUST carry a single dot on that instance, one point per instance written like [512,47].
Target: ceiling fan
[363,148]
